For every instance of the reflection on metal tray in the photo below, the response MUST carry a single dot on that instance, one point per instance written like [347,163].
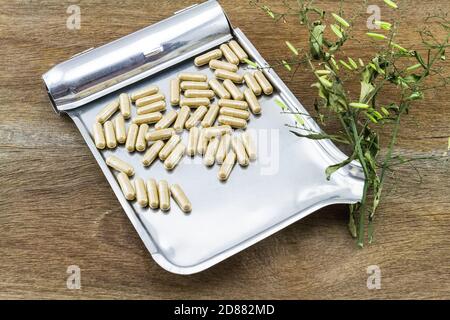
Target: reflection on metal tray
[285,184]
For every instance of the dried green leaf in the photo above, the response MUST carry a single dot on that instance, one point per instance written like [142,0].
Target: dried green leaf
[251,63]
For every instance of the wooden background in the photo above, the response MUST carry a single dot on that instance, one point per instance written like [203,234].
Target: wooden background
[56,208]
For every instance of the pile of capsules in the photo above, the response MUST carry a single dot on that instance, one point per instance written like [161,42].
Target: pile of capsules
[191,92]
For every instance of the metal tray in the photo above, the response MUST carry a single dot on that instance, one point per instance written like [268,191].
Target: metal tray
[285,184]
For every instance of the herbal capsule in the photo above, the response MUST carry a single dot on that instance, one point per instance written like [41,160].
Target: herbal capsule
[125,105]
[235,113]
[152,108]
[164,195]
[202,142]
[131,137]
[152,192]
[168,147]
[119,126]
[229,54]
[224,74]
[99,136]
[186,85]
[175,156]
[180,198]
[238,51]
[120,165]
[194,102]
[107,111]
[148,91]
[147,118]
[196,117]
[233,122]
[141,142]
[242,105]
[220,91]
[175,92]
[126,186]
[217,131]
[191,76]
[249,145]
[141,192]
[233,90]
[160,134]
[207,57]
[193,141]
[110,135]
[150,99]
[167,120]
[183,115]
[252,83]
[224,146]
[152,153]
[193,93]
[217,64]
[263,82]
[210,116]
[252,101]
[227,166]
[239,149]
[211,151]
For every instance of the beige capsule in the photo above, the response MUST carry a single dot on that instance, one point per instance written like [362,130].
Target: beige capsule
[249,145]
[236,94]
[141,102]
[147,91]
[141,142]
[164,195]
[194,93]
[210,116]
[192,76]
[152,108]
[233,76]
[242,105]
[252,83]
[194,102]
[110,135]
[160,134]
[211,151]
[141,192]
[182,117]
[131,137]
[207,57]
[194,85]
[235,113]
[168,147]
[99,136]
[119,126]
[175,156]
[229,54]
[252,101]
[192,141]
[239,149]
[196,117]
[152,152]
[217,131]
[175,91]
[217,64]
[219,89]
[167,120]
[263,82]
[120,165]
[236,123]
[227,166]
[180,198]
[147,118]
[125,105]
[152,193]
[126,186]
[224,146]
[107,111]
[202,143]
[238,51]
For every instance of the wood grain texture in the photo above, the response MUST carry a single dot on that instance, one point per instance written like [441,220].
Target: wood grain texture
[56,208]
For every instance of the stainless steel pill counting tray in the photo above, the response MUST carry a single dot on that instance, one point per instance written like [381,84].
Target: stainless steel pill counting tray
[285,184]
